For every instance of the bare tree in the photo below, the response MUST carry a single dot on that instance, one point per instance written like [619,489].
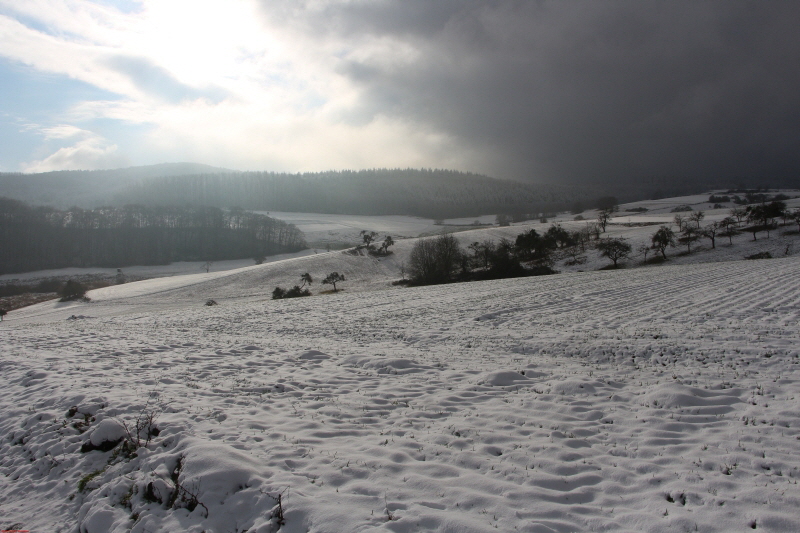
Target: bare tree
[739,213]
[368,237]
[729,228]
[663,238]
[758,219]
[711,231]
[581,237]
[435,260]
[482,253]
[604,216]
[697,217]
[688,237]
[680,221]
[387,242]
[614,249]
[644,250]
[332,279]
[593,229]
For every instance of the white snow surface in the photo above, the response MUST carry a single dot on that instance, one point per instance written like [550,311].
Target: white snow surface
[337,229]
[663,398]
[109,430]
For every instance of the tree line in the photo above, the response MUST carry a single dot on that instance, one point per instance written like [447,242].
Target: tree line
[37,238]
[443,260]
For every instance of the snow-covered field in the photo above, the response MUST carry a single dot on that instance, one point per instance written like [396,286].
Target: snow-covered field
[324,231]
[139,272]
[663,398]
[343,230]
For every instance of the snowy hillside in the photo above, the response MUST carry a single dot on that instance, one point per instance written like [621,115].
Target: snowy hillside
[343,230]
[662,398]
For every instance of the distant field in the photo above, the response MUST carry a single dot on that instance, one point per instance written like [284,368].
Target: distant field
[343,230]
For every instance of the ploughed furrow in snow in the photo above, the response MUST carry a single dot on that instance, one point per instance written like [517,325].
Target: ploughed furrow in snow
[650,400]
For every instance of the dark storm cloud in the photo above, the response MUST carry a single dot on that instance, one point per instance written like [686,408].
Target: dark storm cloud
[585,90]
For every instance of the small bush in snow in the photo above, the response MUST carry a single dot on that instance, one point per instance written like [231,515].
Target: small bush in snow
[295,292]
[383,249]
[141,430]
[73,290]
[760,255]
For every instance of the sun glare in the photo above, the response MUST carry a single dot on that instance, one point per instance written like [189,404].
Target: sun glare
[203,42]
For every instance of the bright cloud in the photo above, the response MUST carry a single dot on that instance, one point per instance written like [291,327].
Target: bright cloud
[92,153]
[215,83]
[63,131]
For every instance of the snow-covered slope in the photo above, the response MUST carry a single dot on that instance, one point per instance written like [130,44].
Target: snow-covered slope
[652,399]
[660,398]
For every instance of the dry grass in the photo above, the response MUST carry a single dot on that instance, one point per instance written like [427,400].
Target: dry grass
[9,303]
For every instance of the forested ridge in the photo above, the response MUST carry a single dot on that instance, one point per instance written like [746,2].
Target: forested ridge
[37,238]
[430,193]
[86,188]
[426,193]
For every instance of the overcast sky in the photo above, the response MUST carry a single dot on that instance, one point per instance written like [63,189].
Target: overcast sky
[528,90]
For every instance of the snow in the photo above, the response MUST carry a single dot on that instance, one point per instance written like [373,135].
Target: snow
[107,431]
[138,272]
[503,377]
[345,229]
[660,398]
